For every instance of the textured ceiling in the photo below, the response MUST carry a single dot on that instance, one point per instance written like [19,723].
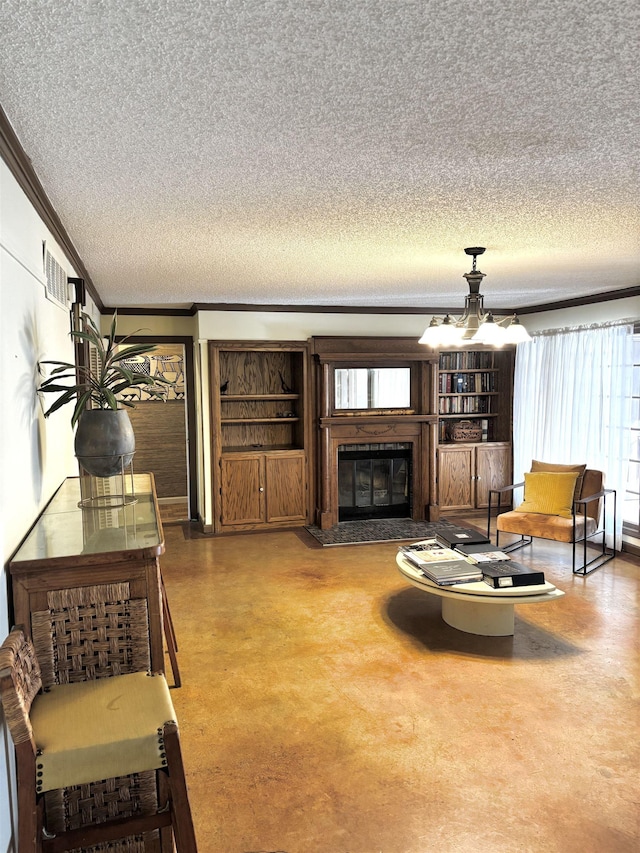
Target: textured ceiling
[334,153]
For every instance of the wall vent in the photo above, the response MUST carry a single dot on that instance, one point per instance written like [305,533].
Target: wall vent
[57,287]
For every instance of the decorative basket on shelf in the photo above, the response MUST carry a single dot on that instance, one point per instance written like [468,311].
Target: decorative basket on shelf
[465,431]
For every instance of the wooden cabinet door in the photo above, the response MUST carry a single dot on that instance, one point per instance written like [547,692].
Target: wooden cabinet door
[286,488]
[242,489]
[455,471]
[493,470]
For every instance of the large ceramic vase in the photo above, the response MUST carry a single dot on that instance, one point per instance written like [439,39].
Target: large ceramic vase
[104,442]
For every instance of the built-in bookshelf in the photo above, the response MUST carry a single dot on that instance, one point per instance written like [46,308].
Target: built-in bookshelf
[260,434]
[475,386]
[261,399]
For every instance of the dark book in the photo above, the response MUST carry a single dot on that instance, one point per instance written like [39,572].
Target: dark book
[507,573]
[452,536]
[475,548]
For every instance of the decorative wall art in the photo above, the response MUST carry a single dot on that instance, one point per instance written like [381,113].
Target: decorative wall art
[165,361]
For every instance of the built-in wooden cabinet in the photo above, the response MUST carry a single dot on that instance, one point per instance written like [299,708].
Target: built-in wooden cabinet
[260,434]
[466,473]
[263,488]
[277,459]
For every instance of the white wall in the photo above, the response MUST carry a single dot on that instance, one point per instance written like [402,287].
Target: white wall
[36,455]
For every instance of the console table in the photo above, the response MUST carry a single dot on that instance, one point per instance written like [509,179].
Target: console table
[477,608]
[86,584]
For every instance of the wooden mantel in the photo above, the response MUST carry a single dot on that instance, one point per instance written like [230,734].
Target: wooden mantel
[416,426]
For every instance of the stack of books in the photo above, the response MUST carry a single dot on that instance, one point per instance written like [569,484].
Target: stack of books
[441,565]
[463,556]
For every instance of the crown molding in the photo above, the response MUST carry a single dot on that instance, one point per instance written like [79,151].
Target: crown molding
[196,307]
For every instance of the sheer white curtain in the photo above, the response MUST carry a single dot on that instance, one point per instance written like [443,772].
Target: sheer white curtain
[572,403]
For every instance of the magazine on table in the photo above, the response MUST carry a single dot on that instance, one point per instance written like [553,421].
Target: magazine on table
[488,557]
[441,565]
[429,551]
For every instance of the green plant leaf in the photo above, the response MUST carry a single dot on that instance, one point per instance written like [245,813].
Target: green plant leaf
[110,398]
[111,377]
[80,407]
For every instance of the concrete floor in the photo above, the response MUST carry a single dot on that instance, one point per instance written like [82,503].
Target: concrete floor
[327,708]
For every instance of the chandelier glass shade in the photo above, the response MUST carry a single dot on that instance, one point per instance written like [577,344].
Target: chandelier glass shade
[475,325]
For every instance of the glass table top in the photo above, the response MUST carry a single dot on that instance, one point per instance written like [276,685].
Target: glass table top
[65,529]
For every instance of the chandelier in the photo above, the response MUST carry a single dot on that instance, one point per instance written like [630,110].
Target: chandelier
[475,325]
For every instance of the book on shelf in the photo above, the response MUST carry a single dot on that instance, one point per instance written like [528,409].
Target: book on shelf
[441,565]
[452,536]
[509,573]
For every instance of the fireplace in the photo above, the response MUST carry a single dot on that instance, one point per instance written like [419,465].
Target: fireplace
[374,481]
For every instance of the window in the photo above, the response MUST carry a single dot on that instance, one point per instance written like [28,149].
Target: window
[631,501]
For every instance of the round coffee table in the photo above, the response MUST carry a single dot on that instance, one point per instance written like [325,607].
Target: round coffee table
[476,607]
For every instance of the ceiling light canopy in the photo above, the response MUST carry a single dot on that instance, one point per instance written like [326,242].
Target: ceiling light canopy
[475,325]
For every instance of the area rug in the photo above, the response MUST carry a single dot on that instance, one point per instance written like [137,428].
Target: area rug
[377,530]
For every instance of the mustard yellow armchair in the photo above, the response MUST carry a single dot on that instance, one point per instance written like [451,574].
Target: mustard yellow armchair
[577,516]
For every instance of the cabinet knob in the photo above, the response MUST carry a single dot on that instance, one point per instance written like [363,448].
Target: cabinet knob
[261,489]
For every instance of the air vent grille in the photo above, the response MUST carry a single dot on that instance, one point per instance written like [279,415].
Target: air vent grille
[56,276]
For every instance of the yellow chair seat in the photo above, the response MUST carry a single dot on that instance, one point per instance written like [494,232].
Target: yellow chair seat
[543,526]
[99,729]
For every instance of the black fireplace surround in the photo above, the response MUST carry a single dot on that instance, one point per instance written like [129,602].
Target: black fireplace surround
[374,481]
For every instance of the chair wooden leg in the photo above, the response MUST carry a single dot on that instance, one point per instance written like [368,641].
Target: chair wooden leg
[170,636]
[30,809]
[180,808]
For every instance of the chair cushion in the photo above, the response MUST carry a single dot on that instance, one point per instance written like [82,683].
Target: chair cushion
[543,526]
[549,493]
[94,730]
[556,468]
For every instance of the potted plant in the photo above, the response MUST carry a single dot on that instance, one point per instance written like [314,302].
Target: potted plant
[104,441]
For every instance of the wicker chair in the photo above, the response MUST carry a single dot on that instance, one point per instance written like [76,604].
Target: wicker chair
[120,729]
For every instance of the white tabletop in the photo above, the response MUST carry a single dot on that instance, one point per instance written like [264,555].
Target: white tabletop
[480,591]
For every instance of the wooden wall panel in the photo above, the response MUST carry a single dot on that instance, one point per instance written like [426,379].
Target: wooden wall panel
[161,444]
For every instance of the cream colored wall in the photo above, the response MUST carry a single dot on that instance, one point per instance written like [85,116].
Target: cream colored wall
[151,324]
[298,326]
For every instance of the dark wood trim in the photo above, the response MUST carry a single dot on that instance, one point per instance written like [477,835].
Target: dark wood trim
[196,307]
[592,299]
[22,169]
